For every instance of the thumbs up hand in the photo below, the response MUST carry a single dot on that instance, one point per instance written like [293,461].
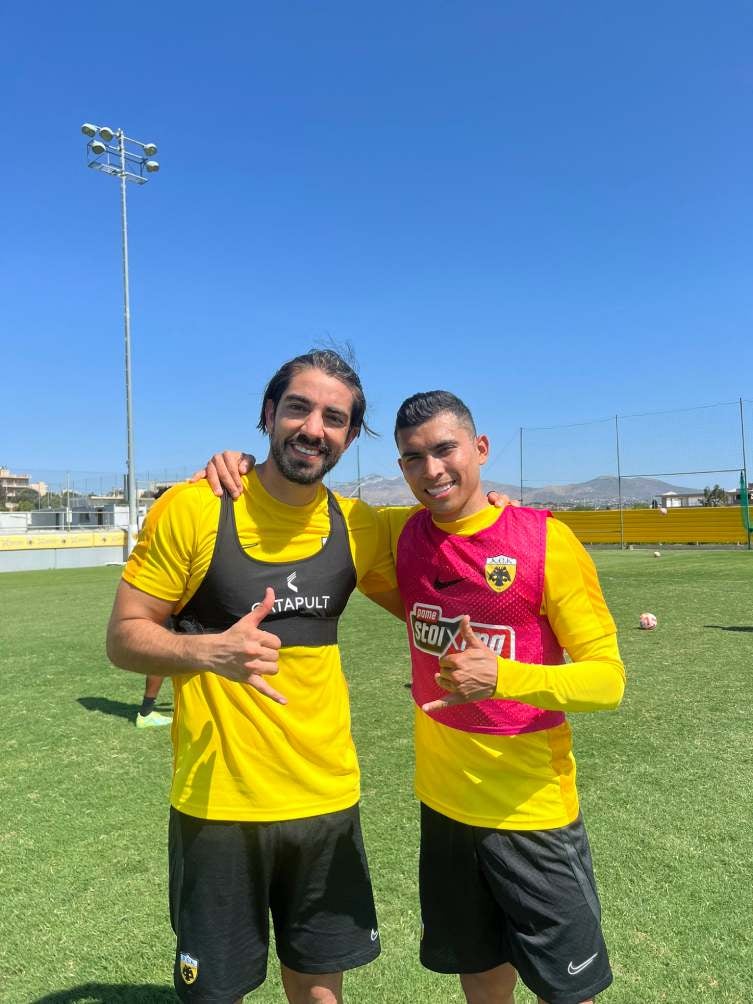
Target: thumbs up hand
[470,675]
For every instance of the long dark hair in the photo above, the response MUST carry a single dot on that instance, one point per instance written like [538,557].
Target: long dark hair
[329,362]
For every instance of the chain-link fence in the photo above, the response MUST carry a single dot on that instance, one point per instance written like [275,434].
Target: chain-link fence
[611,462]
[691,447]
[47,488]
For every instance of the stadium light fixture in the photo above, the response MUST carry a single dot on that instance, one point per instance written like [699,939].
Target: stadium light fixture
[127,160]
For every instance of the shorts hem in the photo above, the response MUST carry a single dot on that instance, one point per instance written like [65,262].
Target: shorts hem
[583,993]
[214,998]
[336,966]
[447,969]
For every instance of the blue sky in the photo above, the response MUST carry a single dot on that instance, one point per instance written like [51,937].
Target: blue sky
[545,207]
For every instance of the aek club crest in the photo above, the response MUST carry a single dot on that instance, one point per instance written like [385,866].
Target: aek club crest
[500,572]
[189,968]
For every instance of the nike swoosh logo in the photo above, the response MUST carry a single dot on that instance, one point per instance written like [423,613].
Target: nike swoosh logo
[574,970]
[438,584]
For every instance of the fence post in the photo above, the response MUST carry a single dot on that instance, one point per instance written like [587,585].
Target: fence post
[619,482]
[745,466]
[521,465]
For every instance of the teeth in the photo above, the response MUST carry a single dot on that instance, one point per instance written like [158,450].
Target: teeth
[440,490]
[309,451]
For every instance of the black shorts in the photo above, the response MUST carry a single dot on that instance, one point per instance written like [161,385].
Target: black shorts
[226,878]
[523,897]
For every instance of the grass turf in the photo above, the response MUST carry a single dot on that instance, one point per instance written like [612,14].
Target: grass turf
[665,784]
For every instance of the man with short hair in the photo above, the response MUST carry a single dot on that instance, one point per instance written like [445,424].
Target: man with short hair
[491,600]
[265,789]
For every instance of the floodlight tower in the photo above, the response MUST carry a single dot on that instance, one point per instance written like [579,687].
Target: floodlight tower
[116,154]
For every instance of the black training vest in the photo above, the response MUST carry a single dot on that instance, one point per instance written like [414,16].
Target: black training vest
[310,594]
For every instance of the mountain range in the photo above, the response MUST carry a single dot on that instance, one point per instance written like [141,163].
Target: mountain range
[600,492]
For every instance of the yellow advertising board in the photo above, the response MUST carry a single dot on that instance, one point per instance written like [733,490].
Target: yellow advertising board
[72,538]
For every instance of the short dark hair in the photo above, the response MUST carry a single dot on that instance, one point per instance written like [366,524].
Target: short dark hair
[329,362]
[428,404]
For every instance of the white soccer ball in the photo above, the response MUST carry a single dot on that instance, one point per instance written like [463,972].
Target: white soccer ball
[647,622]
[657,554]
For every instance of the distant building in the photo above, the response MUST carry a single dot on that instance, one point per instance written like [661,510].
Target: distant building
[685,500]
[11,486]
[83,516]
[677,500]
[159,487]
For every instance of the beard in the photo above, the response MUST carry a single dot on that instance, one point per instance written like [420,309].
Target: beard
[301,472]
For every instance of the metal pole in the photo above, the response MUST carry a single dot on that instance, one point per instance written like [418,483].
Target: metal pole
[132,513]
[358,468]
[619,483]
[521,465]
[745,466]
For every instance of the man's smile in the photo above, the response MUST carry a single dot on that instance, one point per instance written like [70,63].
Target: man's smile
[440,491]
[308,449]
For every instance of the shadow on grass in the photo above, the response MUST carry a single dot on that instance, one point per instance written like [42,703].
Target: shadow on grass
[119,709]
[729,627]
[106,706]
[110,993]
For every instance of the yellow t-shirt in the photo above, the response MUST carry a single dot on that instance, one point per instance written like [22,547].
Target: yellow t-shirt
[525,781]
[237,754]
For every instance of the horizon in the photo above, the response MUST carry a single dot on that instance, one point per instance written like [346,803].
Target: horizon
[57,479]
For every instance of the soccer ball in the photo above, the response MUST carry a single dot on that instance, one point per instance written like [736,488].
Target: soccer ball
[647,622]
[657,554]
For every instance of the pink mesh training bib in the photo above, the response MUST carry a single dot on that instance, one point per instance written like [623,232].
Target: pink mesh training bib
[497,577]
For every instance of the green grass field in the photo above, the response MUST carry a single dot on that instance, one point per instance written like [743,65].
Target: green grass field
[665,785]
